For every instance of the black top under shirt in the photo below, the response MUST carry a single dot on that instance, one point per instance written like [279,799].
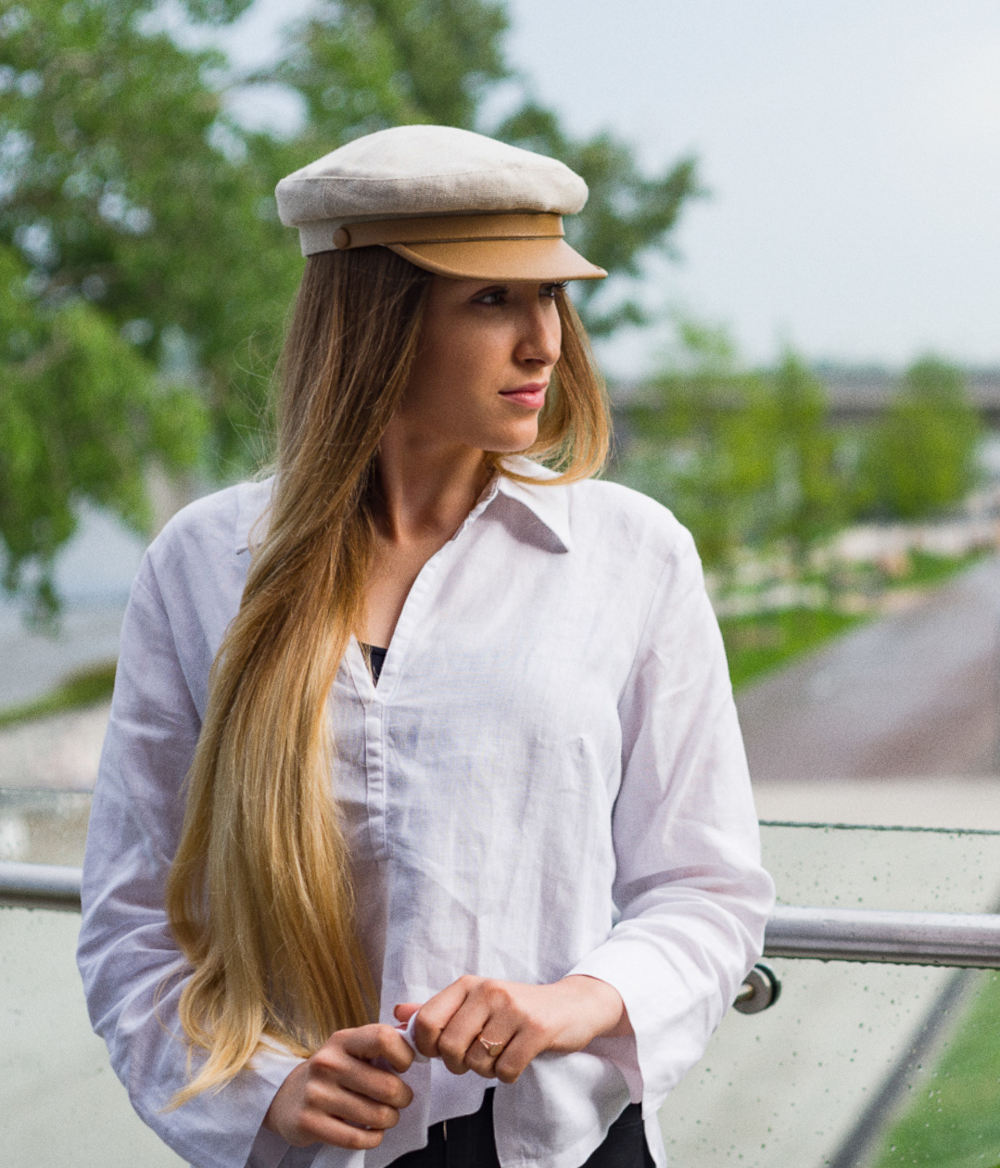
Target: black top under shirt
[376,659]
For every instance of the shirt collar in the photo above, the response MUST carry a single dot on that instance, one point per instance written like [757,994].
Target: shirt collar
[550,507]
[252,500]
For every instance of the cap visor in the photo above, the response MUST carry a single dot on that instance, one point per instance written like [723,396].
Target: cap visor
[541,259]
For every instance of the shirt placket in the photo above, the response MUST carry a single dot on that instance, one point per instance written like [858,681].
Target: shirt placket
[420,603]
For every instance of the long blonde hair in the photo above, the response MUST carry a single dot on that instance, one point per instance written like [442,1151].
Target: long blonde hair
[259,896]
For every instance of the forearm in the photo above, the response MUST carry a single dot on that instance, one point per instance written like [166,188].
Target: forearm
[600,1003]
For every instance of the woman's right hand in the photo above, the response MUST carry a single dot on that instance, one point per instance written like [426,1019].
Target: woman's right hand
[339,1096]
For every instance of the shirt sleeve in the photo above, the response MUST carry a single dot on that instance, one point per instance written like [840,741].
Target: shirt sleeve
[692,896]
[132,969]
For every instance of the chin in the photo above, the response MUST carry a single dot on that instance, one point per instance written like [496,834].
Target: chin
[513,444]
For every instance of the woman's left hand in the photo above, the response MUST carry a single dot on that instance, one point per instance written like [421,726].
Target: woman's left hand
[496,1028]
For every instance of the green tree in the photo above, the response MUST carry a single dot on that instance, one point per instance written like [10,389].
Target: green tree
[105,266]
[138,225]
[81,415]
[699,440]
[362,65]
[744,458]
[922,457]
[809,501]
[129,188]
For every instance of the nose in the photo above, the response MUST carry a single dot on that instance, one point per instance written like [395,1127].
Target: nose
[540,342]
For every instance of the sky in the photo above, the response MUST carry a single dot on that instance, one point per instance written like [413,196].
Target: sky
[850,151]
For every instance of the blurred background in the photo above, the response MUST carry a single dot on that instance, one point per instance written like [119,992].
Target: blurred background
[798,206]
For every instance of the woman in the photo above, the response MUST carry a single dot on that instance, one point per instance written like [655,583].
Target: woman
[540,855]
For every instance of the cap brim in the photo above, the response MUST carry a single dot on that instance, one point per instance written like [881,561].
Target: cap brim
[541,259]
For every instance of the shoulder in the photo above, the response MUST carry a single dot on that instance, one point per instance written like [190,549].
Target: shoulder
[617,518]
[632,534]
[636,516]
[204,547]
[610,525]
[224,519]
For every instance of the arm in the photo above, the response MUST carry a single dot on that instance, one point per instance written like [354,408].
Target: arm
[132,970]
[692,896]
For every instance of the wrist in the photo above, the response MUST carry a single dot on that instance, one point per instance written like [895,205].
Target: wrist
[604,1003]
[275,1118]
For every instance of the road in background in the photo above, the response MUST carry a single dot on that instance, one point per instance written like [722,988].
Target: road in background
[914,693]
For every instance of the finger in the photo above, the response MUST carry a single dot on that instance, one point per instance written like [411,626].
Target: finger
[321,1127]
[405,1010]
[436,1013]
[515,1056]
[347,1135]
[378,1041]
[459,1045]
[484,1052]
[368,1081]
[340,1102]
[359,1061]
[481,1027]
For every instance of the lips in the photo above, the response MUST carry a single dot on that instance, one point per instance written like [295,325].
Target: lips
[531,396]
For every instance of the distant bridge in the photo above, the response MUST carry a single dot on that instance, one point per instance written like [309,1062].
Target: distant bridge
[857,395]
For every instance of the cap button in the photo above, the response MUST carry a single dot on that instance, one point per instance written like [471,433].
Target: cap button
[342,239]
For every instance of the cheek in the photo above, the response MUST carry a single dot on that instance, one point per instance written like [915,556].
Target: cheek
[430,370]
[450,353]
[476,366]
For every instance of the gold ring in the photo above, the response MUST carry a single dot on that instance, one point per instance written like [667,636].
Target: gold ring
[491,1048]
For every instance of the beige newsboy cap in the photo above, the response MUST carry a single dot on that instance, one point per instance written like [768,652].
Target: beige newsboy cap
[447,200]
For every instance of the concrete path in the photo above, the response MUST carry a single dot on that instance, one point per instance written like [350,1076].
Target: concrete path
[915,693]
[60,1103]
[34,662]
[59,753]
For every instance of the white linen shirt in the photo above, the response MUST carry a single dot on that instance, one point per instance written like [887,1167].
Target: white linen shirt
[547,779]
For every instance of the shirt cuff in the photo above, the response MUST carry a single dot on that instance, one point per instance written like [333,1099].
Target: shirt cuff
[268,1150]
[273,1066]
[619,1049]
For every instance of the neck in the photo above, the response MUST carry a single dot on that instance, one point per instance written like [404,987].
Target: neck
[426,490]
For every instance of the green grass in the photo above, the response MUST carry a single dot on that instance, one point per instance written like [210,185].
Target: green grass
[954,1118]
[83,688]
[759,643]
[927,569]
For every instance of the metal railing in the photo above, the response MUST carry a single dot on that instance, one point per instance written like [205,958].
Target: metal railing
[50,886]
[824,934]
[970,940]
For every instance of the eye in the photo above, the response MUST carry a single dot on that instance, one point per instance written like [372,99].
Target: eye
[551,291]
[491,296]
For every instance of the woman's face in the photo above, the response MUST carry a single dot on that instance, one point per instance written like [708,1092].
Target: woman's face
[483,365]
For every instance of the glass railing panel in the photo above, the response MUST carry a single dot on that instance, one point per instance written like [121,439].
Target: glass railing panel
[43,826]
[823,1079]
[911,869]
[947,1113]
[60,1101]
